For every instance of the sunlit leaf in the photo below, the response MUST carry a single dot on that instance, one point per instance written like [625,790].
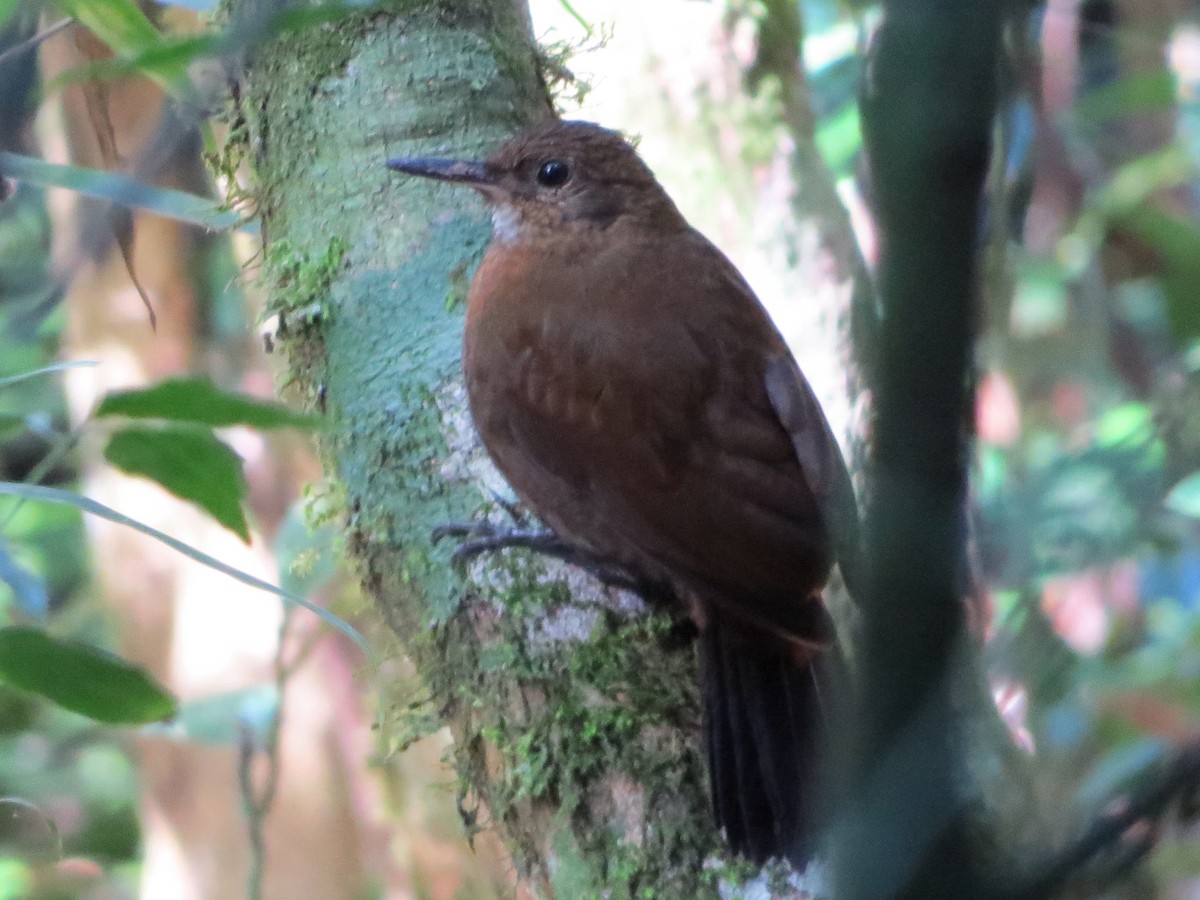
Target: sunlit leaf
[840,138]
[1039,303]
[1184,498]
[1137,180]
[1129,201]
[164,59]
[993,472]
[191,463]
[81,678]
[1127,423]
[41,493]
[197,400]
[120,189]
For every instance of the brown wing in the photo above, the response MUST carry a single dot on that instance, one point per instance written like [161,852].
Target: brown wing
[820,458]
[641,424]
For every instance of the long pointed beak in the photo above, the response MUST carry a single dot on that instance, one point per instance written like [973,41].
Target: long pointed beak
[463,171]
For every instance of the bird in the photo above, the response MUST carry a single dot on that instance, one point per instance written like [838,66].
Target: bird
[631,388]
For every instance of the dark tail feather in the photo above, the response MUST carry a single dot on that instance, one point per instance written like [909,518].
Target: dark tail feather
[762,720]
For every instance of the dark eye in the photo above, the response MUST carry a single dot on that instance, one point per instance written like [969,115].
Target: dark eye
[553,173]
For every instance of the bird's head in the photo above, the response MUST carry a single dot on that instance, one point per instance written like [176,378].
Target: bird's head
[556,177]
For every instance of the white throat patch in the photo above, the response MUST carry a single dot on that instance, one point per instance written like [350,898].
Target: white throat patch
[507,225]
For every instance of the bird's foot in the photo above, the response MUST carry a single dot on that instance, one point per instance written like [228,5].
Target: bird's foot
[484,537]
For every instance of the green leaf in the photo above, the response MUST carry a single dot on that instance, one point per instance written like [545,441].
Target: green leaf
[7,8]
[1129,423]
[1177,243]
[1129,200]
[191,463]
[162,60]
[839,139]
[122,189]
[1184,498]
[40,493]
[82,678]
[196,400]
[11,424]
[1144,92]
[125,29]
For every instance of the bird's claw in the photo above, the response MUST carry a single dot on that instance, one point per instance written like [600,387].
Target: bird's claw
[484,537]
[487,539]
[457,530]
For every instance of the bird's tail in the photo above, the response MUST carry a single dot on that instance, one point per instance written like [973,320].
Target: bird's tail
[764,723]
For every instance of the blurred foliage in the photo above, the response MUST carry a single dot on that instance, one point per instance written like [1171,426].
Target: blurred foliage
[57,766]
[1087,517]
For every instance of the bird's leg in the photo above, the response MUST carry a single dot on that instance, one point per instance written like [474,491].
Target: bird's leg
[484,537]
[512,508]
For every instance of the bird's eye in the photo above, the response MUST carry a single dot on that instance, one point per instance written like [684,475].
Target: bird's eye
[553,173]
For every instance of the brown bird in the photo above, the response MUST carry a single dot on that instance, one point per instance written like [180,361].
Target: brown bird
[631,388]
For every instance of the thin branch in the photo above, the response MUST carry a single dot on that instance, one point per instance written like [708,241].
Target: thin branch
[14,52]
[257,801]
[1145,804]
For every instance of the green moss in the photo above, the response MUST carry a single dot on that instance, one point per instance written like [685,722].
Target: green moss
[300,281]
[604,714]
[458,284]
[300,296]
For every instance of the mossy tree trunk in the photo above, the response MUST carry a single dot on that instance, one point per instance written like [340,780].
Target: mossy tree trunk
[574,708]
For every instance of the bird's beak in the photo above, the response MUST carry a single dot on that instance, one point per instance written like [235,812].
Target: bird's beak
[457,170]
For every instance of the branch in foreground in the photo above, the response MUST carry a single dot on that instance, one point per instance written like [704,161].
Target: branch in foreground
[928,106]
[1112,833]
